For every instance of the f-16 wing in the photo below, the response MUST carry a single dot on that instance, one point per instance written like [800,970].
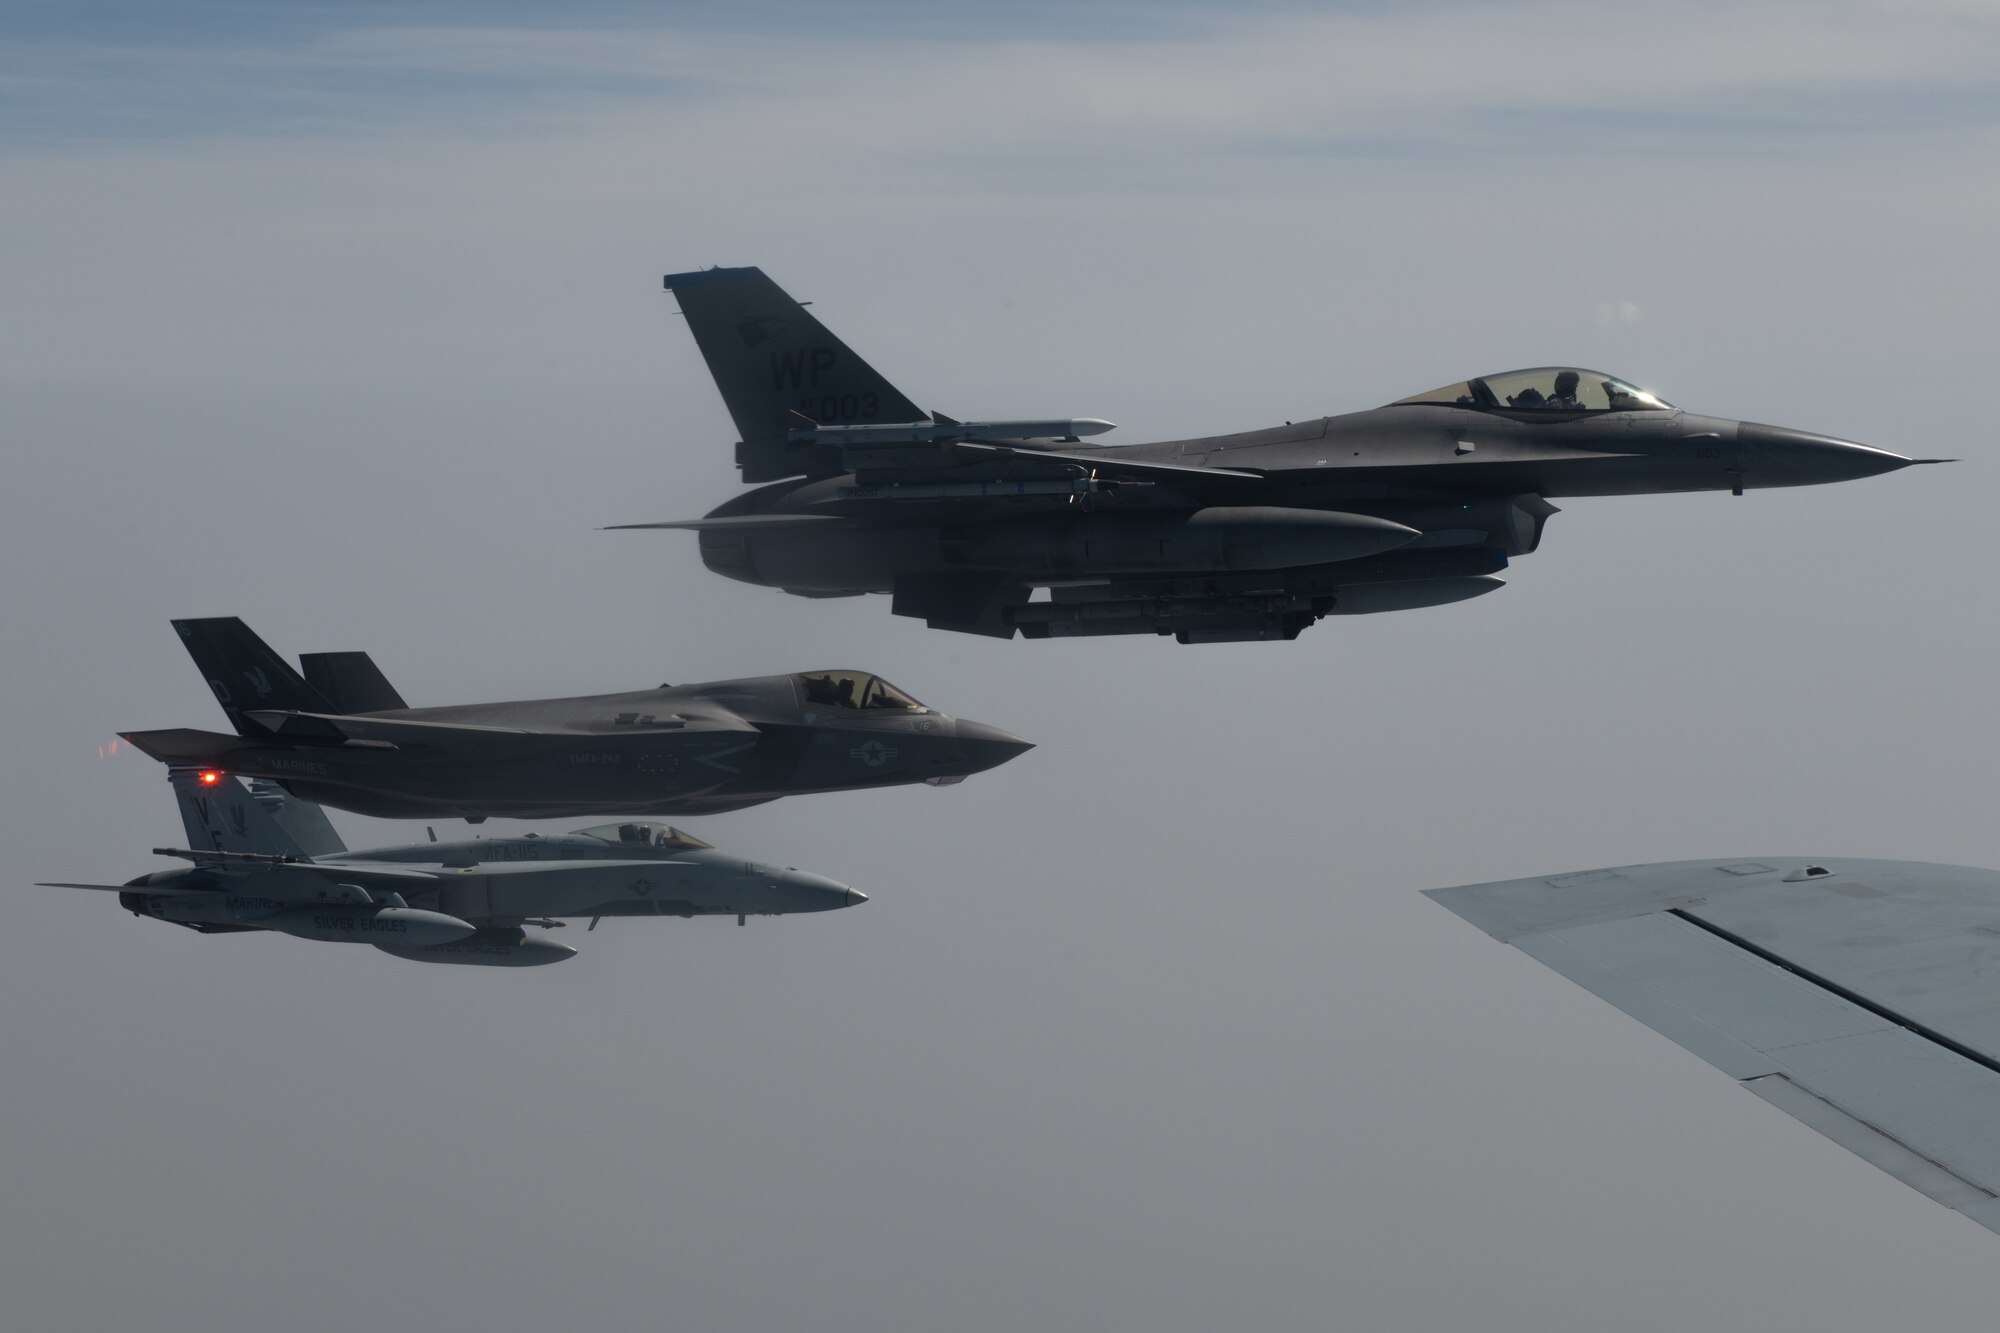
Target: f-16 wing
[1084,468]
[1860,997]
[1108,463]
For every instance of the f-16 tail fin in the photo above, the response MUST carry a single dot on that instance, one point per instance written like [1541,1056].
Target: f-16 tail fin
[771,358]
[245,673]
[351,682]
[222,815]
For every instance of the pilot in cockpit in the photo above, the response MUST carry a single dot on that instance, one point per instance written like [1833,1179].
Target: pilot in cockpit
[1565,394]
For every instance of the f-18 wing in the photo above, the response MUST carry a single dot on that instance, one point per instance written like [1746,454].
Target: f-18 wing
[1860,997]
[250,862]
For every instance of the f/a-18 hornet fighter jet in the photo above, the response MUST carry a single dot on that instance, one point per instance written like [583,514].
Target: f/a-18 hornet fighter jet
[1230,537]
[266,861]
[340,735]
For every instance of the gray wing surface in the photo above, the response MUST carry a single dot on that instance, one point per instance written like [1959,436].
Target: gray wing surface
[1860,997]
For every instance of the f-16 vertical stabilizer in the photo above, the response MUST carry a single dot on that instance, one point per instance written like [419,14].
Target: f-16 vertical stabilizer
[771,358]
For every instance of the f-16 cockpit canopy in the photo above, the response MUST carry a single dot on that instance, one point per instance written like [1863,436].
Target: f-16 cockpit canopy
[1543,389]
[854,689]
[644,833]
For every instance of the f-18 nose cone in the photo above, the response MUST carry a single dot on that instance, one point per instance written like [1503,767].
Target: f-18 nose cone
[856,897]
[1779,456]
[987,747]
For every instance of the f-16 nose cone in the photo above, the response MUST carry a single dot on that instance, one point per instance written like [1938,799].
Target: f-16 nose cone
[987,747]
[1779,456]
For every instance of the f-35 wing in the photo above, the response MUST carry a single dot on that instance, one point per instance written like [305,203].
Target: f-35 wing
[1860,997]
[361,727]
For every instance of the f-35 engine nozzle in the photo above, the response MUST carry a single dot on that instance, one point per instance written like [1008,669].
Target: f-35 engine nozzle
[1216,538]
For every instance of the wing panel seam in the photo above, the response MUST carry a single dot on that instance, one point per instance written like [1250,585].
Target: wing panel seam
[1834,988]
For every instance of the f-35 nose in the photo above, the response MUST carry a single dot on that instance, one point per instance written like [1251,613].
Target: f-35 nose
[1780,456]
[985,747]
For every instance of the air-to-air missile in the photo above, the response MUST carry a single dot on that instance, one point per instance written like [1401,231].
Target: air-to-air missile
[340,735]
[1229,537]
[262,860]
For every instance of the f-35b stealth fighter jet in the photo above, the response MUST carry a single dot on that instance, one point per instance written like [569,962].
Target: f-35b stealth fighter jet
[1229,537]
[340,735]
[265,861]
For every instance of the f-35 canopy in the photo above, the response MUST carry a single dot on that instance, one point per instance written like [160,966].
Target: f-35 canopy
[854,689]
[1543,389]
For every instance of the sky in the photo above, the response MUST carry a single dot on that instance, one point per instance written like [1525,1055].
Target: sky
[346,319]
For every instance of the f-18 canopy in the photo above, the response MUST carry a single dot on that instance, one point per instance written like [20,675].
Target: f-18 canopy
[644,833]
[1544,389]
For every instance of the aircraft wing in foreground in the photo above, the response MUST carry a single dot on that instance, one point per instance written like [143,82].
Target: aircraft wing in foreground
[1860,997]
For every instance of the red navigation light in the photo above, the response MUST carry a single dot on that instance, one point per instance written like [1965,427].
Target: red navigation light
[209,777]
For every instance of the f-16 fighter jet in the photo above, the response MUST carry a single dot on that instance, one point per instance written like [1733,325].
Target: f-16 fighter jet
[1861,997]
[264,861]
[340,735]
[1230,537]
